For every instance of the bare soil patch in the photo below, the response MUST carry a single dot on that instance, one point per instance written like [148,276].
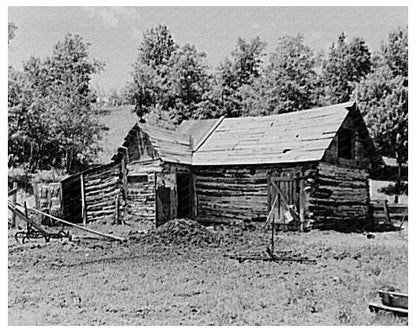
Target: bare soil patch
[181,275]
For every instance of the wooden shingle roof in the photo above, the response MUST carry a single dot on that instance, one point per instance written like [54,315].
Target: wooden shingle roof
[171,146]
[197,129]
[118,122]
[284,138]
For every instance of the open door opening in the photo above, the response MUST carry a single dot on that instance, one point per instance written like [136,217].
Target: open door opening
[162,205]
[184,183]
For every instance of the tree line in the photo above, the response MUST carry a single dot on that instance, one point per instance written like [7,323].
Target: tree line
[53,112]
[171,83]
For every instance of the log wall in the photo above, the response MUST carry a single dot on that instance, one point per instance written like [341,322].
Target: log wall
[102,187]
[236,193]
[340,196]
[144,179]
[141,200]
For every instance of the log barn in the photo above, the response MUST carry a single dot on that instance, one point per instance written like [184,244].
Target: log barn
[308,168]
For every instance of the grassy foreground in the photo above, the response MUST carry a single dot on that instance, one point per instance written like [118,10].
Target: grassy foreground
[91,282]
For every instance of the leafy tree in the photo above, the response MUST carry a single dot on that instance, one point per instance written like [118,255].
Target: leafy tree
[346,65]
[157,47]
[395,52]
[189,81]
[169,79]
[383,99]
[291,82]
[11,32]
[149,86]
[52,118]
[115,98]
[242,69]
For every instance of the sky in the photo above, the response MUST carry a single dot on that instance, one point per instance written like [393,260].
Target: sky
[115,33]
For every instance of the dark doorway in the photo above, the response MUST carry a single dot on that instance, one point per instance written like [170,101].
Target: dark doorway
[162,205]
[184,183]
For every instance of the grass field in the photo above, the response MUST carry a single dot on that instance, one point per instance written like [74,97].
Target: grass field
[93,282]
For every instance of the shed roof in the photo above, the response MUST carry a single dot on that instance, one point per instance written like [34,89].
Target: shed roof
[171,146]
[197,129]
[283,138]
[118,122]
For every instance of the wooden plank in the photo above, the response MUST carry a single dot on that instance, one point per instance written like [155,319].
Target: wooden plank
[83,201]
[386,212]
[194,197]
[271,211]
[394,299]
[208,134]
[12,192]
[14,201]
[302,202]
[117,212]
[377,306]
[124,178]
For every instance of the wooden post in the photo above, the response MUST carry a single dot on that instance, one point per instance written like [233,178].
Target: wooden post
[124,174]
[194,198]
[27,217]
[302,204]
[273,236]
[386,212]
[116,212]
[14,200]
[83,201]
[36,193]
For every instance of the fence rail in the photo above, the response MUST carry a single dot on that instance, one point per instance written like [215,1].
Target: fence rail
[391,213]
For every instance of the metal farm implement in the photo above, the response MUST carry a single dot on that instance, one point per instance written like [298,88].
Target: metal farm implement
[34,230]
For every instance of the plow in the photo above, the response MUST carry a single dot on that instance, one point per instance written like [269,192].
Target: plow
[33,229]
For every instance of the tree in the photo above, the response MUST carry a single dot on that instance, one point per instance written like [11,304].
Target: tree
[52,118]
[157,47]
[170,83]
[11,32]
[149,86]
[190,83]
[241,70]
[395,52]
[346,64]
[383,99]
[291,82]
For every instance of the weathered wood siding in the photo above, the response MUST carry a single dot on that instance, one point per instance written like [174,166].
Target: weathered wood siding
[139,147]
[361,157]
[141,199]
[145,177]
[102,187]
[340,196]
[235,193]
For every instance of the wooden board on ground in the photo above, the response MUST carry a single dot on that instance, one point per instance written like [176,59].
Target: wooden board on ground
[375,307]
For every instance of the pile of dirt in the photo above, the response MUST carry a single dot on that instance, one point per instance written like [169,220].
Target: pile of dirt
[182,232]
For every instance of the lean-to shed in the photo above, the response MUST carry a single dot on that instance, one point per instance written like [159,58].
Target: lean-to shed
[159,182]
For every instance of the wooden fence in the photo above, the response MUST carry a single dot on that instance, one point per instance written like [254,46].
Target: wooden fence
[389,213]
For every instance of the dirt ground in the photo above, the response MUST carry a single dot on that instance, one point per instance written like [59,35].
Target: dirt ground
[148,282]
